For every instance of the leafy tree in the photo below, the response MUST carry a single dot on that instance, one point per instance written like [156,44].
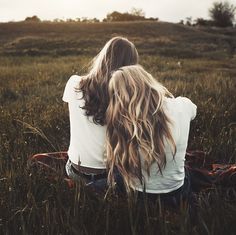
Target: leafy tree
[222,13]
[203,22]
[117,16]
[137,12]
[32,19]
[134,15]
[189,21]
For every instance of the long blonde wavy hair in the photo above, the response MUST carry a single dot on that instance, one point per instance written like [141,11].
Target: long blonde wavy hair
[137,125]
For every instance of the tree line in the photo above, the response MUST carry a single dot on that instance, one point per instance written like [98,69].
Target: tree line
[222,14]
[135,14]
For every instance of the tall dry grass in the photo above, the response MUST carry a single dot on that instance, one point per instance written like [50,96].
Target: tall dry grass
[34,119]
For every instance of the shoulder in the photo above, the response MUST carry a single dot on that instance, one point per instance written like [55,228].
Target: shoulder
[184,100]
[74,80]
[183,105]
[70,88]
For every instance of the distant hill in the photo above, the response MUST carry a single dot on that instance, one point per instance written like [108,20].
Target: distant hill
[156,38]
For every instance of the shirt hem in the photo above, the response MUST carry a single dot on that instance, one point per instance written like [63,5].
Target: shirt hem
[89,166]
[160,191]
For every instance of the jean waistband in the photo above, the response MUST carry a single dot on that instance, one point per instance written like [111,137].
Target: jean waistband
[90,176]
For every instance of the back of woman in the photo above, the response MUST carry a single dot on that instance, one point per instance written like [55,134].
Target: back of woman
[147,132]
[87,98]
[180,110]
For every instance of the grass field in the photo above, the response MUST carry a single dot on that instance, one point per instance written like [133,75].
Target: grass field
[36,59]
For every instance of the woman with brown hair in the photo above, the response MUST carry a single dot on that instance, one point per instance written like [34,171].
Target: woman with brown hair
[87,97]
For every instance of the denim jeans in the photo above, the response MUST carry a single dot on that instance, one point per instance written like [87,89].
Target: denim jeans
[99,185]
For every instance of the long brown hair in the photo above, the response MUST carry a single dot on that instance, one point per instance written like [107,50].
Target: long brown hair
[138,128]
[116,53]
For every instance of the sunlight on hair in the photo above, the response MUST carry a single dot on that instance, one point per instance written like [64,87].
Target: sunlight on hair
[117,52]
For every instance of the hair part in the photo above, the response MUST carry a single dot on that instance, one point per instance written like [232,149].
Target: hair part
[116,53]
[137,126]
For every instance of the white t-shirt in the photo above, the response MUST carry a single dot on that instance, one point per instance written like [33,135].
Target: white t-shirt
[87,140]
[181,111]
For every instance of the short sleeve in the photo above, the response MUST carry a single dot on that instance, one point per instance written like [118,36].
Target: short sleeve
[69,91]
[190,107]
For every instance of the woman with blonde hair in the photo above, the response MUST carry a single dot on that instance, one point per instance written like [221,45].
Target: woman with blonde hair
[147,134]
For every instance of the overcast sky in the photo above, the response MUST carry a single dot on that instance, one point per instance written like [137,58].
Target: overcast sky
[165,10]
